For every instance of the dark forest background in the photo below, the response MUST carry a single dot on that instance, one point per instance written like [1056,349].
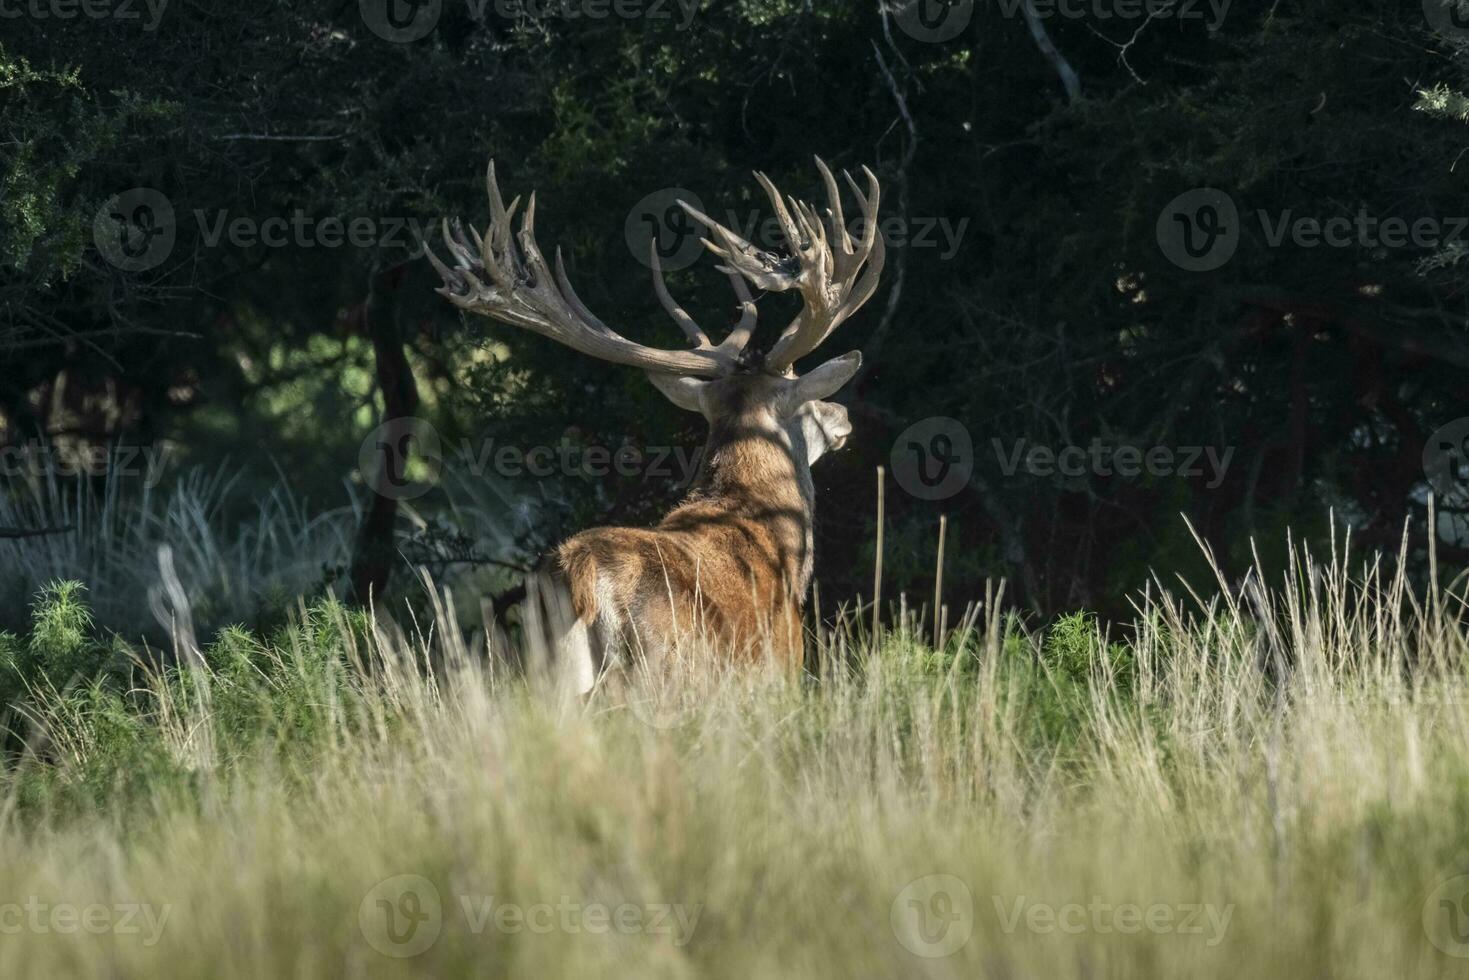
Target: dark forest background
[1051,146]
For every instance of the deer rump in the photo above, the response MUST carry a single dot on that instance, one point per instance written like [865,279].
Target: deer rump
[607,603]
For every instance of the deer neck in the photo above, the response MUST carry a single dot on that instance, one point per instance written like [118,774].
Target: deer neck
[759,470]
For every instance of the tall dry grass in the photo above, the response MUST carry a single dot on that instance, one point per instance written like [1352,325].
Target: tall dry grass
[1270,782]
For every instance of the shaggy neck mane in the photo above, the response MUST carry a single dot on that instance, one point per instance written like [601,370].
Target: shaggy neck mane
[754,470]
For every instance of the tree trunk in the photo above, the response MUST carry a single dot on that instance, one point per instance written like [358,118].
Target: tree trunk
[372,558]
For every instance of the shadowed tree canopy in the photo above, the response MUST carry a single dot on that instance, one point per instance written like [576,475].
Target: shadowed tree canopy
[1044,286]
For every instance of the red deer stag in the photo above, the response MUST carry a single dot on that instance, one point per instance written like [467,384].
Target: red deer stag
[732,563]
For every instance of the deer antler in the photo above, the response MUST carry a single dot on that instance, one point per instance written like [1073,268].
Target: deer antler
[505,277]
[827,277]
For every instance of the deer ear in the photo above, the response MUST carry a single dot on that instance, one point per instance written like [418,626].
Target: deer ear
[825,381]
[683,391]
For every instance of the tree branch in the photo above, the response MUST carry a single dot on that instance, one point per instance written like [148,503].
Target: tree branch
[1069,79]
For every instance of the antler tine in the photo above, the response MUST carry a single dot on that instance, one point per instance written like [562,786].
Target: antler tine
[739,337]
[685,322]
[575,300]
[453,282]
[498,244]
[534,260]
[834,208]
[503,275]
[869,201]
[463,272]
[782,216]
[825,265]
[763,269]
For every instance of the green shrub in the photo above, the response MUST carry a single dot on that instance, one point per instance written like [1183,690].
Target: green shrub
[61,644]
[1074,646]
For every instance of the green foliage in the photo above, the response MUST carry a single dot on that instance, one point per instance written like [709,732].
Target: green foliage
[282,689]
[56,124]
[12,669]
[290,694]
[1074,647]
[1443,102]
[61,645]
[234,653]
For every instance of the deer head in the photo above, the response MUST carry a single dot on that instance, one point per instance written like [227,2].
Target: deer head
[738,551]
